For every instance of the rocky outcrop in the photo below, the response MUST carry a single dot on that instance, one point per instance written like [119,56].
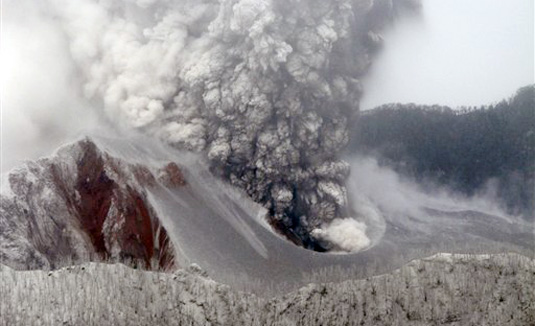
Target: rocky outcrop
[84,204]
[441,290]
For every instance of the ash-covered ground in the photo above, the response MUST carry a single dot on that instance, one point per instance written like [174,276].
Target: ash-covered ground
[213,224]
[440,290]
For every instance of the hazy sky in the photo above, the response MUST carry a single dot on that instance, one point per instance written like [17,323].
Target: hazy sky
[456,52]
[41,105]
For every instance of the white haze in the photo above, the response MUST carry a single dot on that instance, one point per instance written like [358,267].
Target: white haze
[379,195]
[455,53]
[41,108]
[376,188]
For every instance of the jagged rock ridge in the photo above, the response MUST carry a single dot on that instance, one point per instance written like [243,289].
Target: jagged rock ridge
[83,204]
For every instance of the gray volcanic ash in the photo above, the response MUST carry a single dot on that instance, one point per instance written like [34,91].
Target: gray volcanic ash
[267,88]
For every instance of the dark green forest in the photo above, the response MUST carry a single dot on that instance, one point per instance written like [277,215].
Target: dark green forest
[464,149]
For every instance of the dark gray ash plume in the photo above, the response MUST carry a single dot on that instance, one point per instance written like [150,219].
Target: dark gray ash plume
[266,88]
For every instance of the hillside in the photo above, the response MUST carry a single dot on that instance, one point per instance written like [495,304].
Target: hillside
[491,148]
[150,203]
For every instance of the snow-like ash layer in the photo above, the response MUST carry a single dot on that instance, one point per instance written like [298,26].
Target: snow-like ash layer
[84,204]
[266,87]
[441,290]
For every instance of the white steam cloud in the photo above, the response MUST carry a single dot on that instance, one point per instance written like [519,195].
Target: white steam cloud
[381,196]
[398,196]
[346,234]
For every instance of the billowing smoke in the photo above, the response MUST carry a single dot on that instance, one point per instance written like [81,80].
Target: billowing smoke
[267,88]
[346,234]
[380,195]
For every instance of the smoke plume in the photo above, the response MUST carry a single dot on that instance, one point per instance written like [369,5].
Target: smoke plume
[346,234]
[380,195]
[266,88]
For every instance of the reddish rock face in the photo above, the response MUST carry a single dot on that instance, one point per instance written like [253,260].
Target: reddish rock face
[143,175]
[171,176]
[107,199]
[117,216]
[96,191]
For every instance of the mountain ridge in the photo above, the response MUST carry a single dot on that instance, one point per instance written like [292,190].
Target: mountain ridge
[83,202]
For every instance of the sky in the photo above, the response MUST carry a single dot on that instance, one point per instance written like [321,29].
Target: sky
[456,52]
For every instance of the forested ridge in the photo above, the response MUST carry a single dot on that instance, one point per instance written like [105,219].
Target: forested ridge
[466,150]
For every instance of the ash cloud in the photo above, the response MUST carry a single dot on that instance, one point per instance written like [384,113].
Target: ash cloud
[346,234]
[266,88]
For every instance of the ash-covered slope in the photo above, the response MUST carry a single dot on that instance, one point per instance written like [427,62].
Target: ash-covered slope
[84,204]
[440,290]
[131,189]
[266,88]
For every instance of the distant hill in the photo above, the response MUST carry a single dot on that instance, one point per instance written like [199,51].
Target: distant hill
[463,149]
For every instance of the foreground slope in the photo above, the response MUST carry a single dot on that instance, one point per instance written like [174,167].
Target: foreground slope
[444,289]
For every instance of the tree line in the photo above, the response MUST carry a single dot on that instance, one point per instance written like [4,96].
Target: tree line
[464,149]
